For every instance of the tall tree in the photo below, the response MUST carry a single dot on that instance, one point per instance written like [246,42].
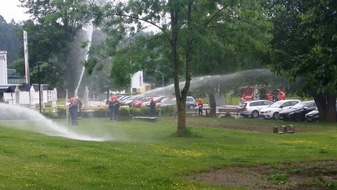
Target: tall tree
[183,29]
[237,39]
[51,31]
[304,46]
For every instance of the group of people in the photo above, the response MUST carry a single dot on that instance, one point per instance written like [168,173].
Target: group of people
[74,106]
[114,107]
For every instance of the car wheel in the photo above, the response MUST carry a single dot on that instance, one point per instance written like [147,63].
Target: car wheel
[189,107]
[255,114]
[276,115]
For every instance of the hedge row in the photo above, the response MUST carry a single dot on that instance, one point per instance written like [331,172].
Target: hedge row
[104,113]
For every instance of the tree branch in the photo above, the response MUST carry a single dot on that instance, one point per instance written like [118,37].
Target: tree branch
[214,16]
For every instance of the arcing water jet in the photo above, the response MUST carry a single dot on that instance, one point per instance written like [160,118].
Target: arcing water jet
[23,118]
[197,82]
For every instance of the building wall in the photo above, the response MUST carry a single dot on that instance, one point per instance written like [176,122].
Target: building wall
[3,68]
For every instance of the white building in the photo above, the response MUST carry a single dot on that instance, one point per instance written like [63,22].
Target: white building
[31,96]
[3,68]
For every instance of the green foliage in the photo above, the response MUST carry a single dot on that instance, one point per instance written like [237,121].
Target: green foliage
[51,33]
[188,35]
[95,113]
[304,47]
[124,112]
[237,39]
[145,111]
[279,177]
[168,110]
[103,113]
[62,113]
[134,111]
[8,40]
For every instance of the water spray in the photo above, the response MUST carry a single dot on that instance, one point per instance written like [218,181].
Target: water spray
[197,82]
[89,31]
[19,117]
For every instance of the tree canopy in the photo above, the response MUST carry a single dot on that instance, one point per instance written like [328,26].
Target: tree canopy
[52,32]
[191,37]
[304,46]
[8,40]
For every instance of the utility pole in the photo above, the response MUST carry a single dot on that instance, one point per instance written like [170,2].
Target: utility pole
[162,78]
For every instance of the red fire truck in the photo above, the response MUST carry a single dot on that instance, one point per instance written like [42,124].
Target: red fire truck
[259,92]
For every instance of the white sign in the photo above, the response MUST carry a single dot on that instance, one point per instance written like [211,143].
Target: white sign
[25,49]
[137,80]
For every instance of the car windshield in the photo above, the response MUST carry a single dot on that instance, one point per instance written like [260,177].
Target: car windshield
[276,105]
[243,104]
[299,105]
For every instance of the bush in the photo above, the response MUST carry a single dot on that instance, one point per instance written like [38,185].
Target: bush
[134,111]
[124,112]
[101,113]
[61,113]
[95,114]
[50,115]
[168,110]
[144,111]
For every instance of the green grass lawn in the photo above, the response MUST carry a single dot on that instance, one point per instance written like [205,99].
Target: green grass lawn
[145,155]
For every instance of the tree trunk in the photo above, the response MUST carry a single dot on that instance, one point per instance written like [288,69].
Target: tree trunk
[181,95]
[321,105]
[212,104]
[181,128]
[326,105]
[331,109]
[180,98]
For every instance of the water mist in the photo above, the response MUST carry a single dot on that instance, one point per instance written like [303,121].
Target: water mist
[197,82]
[19,117]
[89,31]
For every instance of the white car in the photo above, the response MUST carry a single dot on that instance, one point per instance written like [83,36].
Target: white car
[272,112]
[252,108]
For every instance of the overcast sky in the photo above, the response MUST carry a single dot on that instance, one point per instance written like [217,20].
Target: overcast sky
[9,10]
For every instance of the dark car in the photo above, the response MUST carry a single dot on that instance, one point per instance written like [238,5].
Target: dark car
[314,115]
[298,111]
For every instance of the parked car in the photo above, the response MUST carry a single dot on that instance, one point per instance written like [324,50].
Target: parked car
[252,108]
[129,102]
[314,115]
[168,102]
[190,102]
[157,100]
[138,103]
[272,112]
[298,111]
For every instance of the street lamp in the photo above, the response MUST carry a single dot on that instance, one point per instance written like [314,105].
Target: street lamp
[162,77]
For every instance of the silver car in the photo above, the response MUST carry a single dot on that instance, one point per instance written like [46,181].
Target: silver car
[190,102]
[273,110]
[252,108]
